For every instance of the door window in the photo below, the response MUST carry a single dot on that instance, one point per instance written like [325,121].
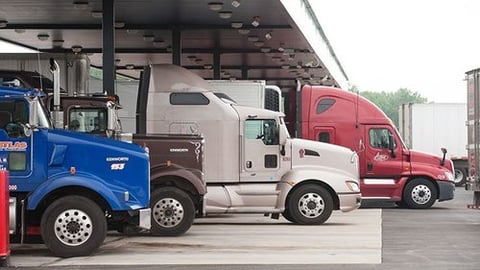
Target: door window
[265,130]
[380,138]
[13,117]
[89,120]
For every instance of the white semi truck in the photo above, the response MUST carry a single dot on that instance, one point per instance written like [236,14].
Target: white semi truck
[251,163]
[422,127]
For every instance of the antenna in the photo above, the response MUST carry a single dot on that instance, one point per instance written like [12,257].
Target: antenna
[356,108]
[40,71]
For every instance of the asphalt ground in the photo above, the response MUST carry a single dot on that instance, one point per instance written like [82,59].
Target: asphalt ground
[378,236]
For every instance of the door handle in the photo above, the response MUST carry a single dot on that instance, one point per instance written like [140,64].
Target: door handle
[249,164]
[369,166]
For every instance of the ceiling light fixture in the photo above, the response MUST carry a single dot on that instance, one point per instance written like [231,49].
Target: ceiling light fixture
[236,3]
[252,38]
[268,35]
[256,21]
[149,38]
[207,66]
[198,60]
[19,31]
[191,57]
[215,6]
[225,14]
[276,58]
[58,42]
[97,14]
[285,66]
[3,23]
[81,5]
[43,36]
[243,31]
[132,31]
[129,66]
[265,49]
[236,25]
[258,43]
[76,49]
[159,42]
[119,24]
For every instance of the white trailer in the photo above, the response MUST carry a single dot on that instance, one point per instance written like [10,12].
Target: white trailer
[251,93]
[432,126]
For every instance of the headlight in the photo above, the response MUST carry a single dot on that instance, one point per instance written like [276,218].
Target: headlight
[449,176]
[352,186]
[354,158]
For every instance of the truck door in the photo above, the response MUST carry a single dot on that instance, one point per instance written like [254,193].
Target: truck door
[382,166]
[261,161]
[15,146]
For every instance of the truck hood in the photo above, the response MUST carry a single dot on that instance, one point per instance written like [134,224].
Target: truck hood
[417,157]
[119,165]
[325,155]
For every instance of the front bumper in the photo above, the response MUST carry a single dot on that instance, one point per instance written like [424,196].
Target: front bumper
[349,201]
[445,190]
[144,218]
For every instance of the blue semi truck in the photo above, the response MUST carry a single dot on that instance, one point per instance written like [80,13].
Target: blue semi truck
[67,187]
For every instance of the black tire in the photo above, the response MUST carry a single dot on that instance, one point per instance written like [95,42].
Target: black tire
[420,194]
[73,226]
[309,204]
[173,211]
[286,214]
[460,177]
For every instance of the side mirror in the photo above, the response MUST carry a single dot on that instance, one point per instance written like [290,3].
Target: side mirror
[391,145]
[444,151]
[27,129]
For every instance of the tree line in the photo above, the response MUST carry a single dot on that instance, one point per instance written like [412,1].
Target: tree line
[389,102]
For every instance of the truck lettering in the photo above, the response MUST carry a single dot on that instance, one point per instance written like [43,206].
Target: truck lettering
[111,159]
[117,166]
[13,146]
[380,157]
[178,150]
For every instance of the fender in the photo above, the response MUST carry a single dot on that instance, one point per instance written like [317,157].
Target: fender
[191,175]
[429,171]
[296,176]
[112,194]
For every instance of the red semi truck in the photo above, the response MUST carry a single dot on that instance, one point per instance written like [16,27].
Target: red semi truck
[388,169]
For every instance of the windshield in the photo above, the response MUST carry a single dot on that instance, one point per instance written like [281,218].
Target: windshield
[399,137]
[42,115]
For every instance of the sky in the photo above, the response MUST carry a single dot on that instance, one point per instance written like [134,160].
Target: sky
[383,45]
[423,45]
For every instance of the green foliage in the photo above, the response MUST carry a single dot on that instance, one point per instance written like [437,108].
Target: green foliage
[389,102]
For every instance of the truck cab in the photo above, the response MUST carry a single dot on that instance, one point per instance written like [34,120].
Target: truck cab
[67,187]
[388,169]
[251,163]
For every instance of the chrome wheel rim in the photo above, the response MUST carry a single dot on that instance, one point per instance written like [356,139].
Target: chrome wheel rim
[458,176]
[421,194]
[73,227]
[311,205]
[168,212]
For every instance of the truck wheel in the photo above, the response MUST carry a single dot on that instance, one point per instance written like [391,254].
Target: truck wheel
[286,214]
[73,226]
[310,205]
[172,211]
[419,194]
[460,177]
